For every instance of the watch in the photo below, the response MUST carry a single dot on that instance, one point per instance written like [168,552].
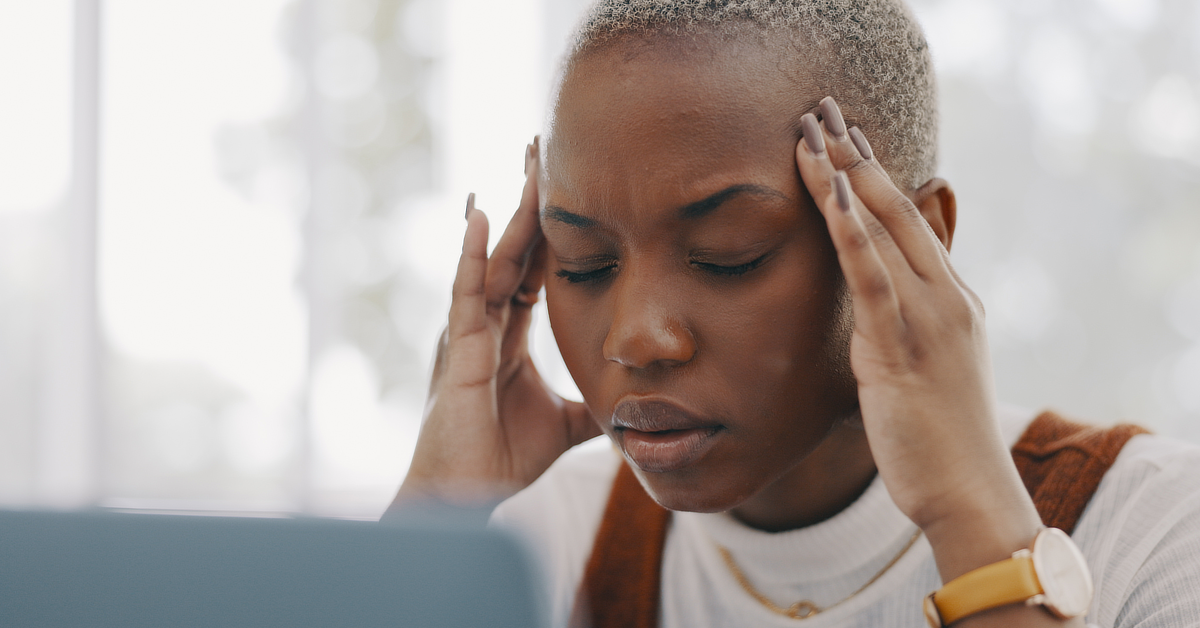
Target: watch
[1051,573]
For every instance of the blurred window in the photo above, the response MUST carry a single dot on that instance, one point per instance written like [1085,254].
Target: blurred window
[200,252]
[35,162]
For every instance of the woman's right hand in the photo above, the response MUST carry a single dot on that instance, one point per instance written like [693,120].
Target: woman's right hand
[492,426]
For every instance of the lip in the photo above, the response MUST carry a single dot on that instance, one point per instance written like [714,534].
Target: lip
[659,436]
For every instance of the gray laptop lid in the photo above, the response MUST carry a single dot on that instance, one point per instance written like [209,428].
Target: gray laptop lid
[103,570]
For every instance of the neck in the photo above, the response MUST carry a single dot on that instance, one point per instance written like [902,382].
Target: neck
[822,484]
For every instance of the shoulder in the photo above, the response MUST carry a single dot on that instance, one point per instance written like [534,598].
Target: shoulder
[1141,534]
[559,515]
[1158,453]
[1152,473]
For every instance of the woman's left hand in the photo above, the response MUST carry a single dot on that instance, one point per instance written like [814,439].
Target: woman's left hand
[919,353]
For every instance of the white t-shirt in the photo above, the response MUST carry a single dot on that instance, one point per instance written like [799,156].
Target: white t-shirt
[1140,534]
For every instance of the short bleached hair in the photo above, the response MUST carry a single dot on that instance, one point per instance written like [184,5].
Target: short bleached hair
[880,69]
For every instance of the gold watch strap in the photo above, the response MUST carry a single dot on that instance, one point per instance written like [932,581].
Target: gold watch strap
[1006,582]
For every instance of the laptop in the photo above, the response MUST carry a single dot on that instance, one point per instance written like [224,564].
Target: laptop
[102,570]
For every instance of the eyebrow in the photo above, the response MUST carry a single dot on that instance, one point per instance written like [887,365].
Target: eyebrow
[706,206]
[691,211]
[553,212]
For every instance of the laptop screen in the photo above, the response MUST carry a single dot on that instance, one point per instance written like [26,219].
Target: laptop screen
[119,570]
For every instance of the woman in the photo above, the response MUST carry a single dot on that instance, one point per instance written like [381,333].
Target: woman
[759,310]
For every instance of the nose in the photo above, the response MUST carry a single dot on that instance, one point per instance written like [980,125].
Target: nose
[646,330]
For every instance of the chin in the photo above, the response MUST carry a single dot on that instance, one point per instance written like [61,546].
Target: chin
[693,492]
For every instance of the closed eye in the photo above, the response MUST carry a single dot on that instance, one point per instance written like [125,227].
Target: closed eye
[740,269]
[598,274]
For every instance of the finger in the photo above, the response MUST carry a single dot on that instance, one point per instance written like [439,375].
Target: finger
[516,335]
[872,291]
[535,273]
[580,426]
[535,276]
[835,125]
[440,357]
[850,151]
[468,309]
[812,157]
[838,135]
[509,264]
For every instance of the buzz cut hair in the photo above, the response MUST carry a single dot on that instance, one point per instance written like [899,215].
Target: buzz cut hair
[878,62]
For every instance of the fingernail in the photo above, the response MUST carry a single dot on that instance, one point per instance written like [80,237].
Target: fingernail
[528,155]
[861,143]
[841,189]
[833,117]
[813,138]
[470,205]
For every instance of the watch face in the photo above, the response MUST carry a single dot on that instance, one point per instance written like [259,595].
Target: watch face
[1063,573]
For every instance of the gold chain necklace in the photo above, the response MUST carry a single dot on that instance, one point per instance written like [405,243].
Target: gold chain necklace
[804,608]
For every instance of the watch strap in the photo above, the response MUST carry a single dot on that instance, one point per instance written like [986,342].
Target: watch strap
[1005,582]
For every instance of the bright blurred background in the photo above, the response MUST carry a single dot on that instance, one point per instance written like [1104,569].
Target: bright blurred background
[228,228]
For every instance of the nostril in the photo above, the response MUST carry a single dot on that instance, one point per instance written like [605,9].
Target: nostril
[647,346]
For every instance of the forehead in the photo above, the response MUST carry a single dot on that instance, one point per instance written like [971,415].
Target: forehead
[675,111]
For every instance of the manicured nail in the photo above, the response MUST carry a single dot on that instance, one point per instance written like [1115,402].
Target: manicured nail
[861,143]
[470,205]
[813,137]
[841,189]
[833,117]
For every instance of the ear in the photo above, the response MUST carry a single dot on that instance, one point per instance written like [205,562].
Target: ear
[937,204]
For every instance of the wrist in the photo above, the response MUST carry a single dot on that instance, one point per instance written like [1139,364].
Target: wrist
[417,493]
[1045,584]
[456,485]
[981,532]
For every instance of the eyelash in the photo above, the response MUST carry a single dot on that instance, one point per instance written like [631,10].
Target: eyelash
[584,277]
[732,271]
[600,274]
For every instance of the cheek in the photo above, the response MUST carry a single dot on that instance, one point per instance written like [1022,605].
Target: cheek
[791,332]
[578,331]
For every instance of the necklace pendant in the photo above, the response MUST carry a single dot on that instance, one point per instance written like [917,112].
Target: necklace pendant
[803,610]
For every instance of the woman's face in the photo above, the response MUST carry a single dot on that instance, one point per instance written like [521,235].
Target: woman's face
[691,283]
